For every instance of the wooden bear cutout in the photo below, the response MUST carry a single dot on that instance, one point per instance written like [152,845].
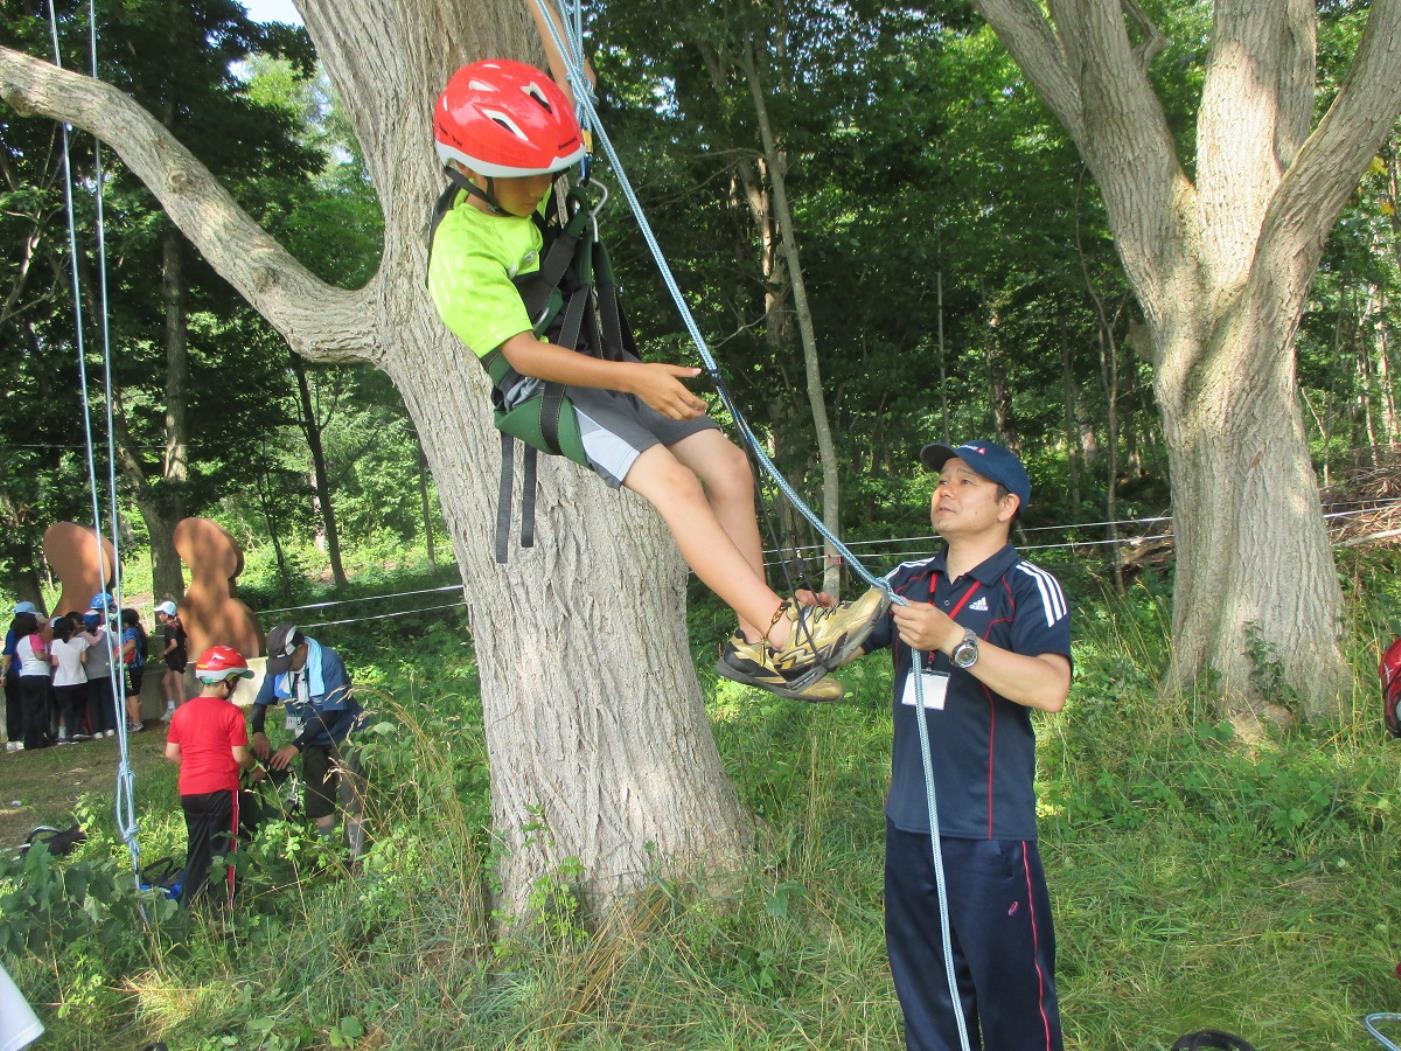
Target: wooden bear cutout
[71,550]
[209,611]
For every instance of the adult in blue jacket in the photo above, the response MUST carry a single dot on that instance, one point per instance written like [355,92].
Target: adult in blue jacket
[311,682]
[993,634]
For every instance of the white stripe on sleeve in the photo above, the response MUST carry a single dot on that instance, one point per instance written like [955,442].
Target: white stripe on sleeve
[1052,597]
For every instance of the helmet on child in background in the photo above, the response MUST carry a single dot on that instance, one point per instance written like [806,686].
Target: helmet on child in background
[221,662]
[506,119]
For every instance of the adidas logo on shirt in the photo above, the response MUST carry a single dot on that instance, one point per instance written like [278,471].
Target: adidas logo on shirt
[979,605]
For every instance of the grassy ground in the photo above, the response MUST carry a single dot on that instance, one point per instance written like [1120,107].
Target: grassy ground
[41,787]
[1198,881]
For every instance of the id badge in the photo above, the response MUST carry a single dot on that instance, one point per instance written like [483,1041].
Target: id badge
[294,724]
[936,688]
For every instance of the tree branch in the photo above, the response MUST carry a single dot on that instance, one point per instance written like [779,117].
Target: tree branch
[1317,185]
[1298,68]
[319,321]
[1089,73]
[1153,39]
[1032,42]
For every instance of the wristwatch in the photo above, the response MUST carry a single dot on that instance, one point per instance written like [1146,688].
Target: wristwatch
[965,654]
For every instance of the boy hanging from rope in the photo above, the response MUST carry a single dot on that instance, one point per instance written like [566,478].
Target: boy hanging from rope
[565,377]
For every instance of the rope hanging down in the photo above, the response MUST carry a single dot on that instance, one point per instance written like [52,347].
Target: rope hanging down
[1371,1023]
[125,804]
[571,53]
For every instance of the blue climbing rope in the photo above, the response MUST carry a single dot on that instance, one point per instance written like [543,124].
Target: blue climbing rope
[1371,1023]
[124,805]
[572,52]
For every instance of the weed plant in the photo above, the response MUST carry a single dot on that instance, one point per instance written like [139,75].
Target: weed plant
[1198,880]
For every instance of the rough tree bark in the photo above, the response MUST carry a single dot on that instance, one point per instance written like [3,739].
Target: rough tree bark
[1221,268]
[594,722]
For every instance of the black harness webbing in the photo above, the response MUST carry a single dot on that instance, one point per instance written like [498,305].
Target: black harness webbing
[572,300]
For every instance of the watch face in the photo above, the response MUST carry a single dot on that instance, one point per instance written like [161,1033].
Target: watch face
[965,654]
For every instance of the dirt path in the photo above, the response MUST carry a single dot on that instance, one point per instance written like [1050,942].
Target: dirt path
[38,788]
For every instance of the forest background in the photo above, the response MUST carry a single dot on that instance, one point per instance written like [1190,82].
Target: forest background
[962,282]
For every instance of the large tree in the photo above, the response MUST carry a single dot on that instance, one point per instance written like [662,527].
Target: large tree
[594,720]
[1220,251]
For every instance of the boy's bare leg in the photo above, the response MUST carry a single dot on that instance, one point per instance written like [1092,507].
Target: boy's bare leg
[675,491]
[724,471]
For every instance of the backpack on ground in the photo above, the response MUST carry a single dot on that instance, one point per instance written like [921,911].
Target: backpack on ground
[166,876]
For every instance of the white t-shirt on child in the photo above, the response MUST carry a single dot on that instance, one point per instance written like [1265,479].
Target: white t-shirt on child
[69,670]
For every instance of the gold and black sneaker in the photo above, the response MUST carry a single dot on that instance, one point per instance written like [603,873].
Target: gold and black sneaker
[752,663]
[832,636]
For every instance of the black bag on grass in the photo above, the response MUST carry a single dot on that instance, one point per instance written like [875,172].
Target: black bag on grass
[60,843]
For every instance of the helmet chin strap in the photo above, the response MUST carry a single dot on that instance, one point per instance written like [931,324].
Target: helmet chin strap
[467,186]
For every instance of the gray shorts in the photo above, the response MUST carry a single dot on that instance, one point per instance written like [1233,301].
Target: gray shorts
[618,428]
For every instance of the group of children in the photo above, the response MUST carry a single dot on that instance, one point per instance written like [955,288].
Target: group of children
[62,676]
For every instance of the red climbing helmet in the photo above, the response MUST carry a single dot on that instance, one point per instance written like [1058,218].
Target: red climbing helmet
[219,662]
[506,119]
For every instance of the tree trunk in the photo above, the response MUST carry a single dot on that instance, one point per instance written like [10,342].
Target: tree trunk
[999,392]
[425,503]
[284,578]
[163,509]
[1070,402]
[595,724]
[321,484]
[1258,602]
[1381,333]
[826,447]
[1221,268]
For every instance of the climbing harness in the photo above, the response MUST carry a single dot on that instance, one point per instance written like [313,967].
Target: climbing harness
[124,805]
[572,301]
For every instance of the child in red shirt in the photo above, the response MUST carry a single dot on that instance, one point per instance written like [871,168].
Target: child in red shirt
[209,739]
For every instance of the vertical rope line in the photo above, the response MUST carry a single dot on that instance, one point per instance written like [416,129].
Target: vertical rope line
[125,817]
[125,805]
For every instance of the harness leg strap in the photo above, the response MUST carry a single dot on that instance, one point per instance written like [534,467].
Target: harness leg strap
[528,489]
[503,499]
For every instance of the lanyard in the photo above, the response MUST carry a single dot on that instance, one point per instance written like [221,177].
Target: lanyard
[958,606]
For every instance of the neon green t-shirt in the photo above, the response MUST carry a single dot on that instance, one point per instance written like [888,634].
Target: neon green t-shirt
[475,257]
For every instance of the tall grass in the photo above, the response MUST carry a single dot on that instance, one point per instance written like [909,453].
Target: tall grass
[1197,880]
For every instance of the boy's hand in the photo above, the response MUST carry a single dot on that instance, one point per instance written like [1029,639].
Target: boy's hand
[661,388]
[261,748]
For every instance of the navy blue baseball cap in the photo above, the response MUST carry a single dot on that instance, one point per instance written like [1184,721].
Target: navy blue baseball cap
[989,459]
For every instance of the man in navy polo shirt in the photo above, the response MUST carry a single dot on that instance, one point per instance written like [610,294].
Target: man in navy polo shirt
[994,634]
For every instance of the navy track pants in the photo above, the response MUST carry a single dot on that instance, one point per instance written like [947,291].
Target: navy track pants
[1004,950]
